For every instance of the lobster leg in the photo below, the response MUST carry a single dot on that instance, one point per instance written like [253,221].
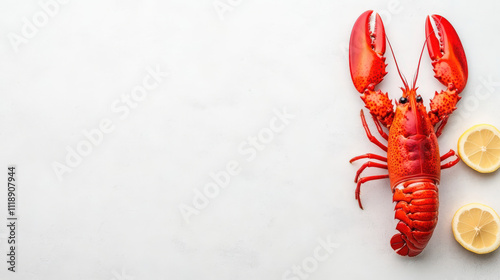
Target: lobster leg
[367,65]
[369,134]
[450,68]
[439,128]
[447,155]
[451,163]
[379,128]
[369,156]
[364,180]
[374,140]
[366,165]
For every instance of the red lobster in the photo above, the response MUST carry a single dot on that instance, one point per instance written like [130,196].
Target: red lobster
[413,160]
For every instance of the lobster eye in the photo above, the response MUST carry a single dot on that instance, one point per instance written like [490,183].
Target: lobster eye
[403,100]
[419,98]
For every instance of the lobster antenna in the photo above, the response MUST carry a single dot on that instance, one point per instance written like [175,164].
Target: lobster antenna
[403,78]
[418,66]
[420,59]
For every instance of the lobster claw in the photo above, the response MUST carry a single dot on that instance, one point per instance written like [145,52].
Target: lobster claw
[447,54]
[366,50]
[367,64]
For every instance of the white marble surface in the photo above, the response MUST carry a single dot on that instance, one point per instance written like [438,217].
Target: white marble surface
[115,213]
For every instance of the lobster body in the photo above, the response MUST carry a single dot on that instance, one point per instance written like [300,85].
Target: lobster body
[413,150]
[413,160]
[414,167]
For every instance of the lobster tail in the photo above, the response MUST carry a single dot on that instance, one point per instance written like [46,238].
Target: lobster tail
[417,211]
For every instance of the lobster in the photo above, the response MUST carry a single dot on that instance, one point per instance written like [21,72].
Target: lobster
[413,160]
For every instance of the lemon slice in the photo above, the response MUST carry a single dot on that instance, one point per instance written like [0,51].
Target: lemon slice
[477,228]
[479,148]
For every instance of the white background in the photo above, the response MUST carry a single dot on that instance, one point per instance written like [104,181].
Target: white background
[116,214]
